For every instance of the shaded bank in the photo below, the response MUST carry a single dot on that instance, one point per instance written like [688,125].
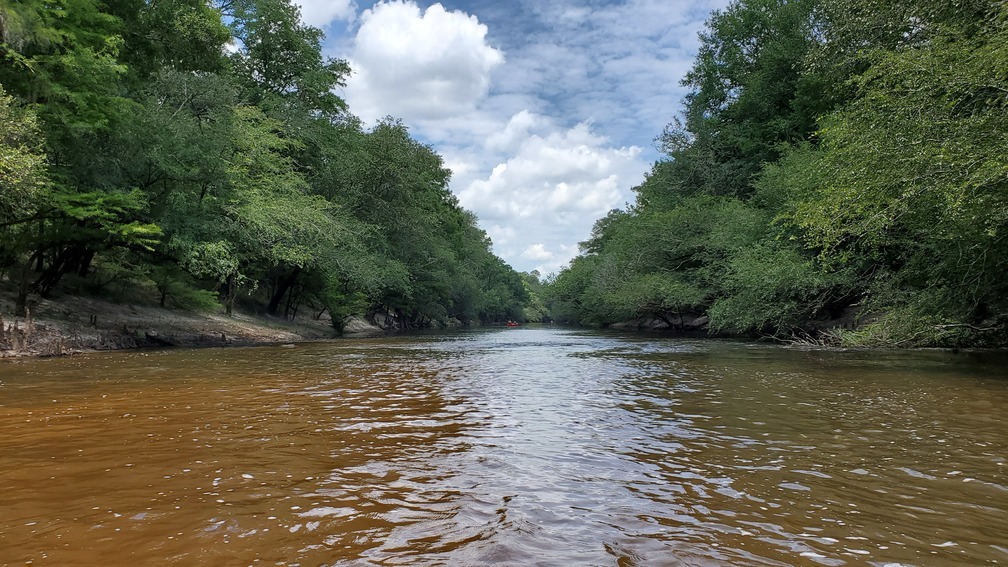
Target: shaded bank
[74,324]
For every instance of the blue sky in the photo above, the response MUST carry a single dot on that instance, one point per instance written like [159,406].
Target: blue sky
[545,111]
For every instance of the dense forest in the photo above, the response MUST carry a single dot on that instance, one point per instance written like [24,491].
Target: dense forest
[839,175]
[197,153]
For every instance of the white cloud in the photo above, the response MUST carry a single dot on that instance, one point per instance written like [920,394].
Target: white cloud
[321,13]
[570,170]
[549,190]
[419,65]
[516,131]
[538,253]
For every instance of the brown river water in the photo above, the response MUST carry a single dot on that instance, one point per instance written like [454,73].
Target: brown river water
[529,446]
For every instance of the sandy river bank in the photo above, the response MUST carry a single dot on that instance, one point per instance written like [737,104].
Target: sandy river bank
[72,324]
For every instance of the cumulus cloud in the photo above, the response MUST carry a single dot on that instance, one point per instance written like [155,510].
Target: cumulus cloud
[538,253]
[516,132]
[419,64]
[564,171]
[321,13]
[555,183]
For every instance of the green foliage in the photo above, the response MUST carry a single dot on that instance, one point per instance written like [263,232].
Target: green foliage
[135,149]
[64,57]
[22,160]
[535,309]
[657,263]
[927,205]
[213,260]
[749,95]
[181,35]
[268,208]
[658,294]
[108,216]
[281,58]
[768,287]
[834,155]
[338,299]
[567,292]
[178,286]
[906,327]
[433,262]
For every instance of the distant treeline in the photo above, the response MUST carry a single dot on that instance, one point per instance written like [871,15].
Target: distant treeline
[840,164]
[197,152]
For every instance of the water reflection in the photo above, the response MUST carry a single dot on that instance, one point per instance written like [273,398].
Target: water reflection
[528,446]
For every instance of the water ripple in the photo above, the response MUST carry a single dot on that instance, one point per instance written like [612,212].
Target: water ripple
[517,447]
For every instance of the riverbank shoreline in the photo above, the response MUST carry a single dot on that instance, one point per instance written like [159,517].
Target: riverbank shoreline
[67,325]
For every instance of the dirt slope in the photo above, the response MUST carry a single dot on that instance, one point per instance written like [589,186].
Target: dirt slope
[71,324]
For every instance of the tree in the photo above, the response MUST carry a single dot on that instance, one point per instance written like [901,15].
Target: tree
[23,181]
[22,161]
[911,180]
[266,216]
[751,93]
[166,162]
[182,35]
[280,59]
[701,241]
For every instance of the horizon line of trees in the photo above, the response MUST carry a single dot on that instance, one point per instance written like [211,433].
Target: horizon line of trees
[839,174]
[197,151]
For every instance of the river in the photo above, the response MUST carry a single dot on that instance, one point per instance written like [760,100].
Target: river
[528,446]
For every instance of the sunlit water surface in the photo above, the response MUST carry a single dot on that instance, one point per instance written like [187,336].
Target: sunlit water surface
[508,447]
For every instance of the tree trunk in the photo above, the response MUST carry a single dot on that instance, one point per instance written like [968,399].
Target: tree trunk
[291,311]
[671,325]
[85,263]
[282,287]
[229,298]
[72,258]
[21,304]
[50,276]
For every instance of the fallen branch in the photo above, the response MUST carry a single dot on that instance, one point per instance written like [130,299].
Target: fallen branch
[968,326]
